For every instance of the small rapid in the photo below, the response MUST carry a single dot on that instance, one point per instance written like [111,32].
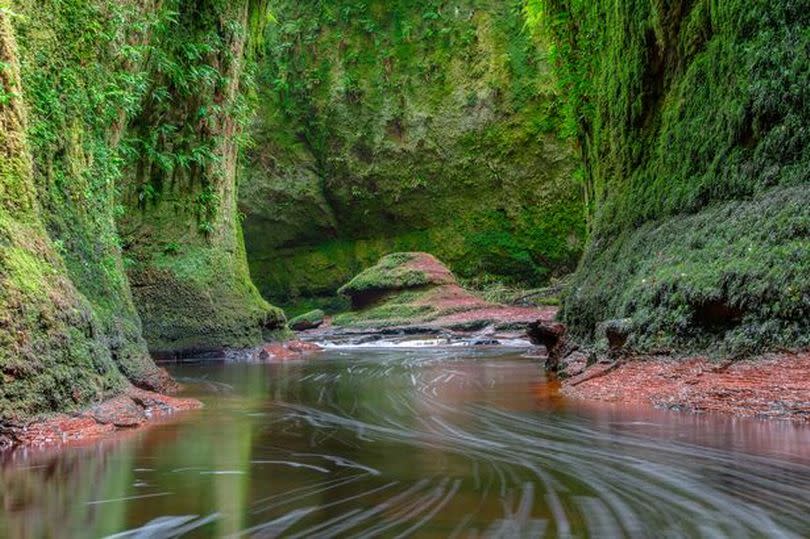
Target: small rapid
[409,439]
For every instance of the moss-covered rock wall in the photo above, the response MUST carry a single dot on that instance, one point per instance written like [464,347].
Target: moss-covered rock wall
[406,126]
[69,334]
[183,241]
[83,82]
[692,116]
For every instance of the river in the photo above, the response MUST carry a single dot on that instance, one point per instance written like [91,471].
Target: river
[427,442]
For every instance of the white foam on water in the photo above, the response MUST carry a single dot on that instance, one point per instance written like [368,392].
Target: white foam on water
[419,343]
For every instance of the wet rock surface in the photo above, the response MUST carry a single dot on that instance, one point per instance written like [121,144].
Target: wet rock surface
[769,386]
[270,352]
[288,351]
[551,335]
[133,409]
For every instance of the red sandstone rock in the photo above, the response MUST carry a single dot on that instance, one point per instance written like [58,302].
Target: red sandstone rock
[415,290]
[133,409]
[769,386]
[286,351]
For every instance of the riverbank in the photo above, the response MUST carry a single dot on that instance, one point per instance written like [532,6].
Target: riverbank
[771,386]
[133,409]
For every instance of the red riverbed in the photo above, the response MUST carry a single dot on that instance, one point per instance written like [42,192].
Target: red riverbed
[131,410]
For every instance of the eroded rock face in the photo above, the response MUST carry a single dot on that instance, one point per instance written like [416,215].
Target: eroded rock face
[617,333]
[183,239]
[439,138]
[699,225]
[57,348]
[131,408]
[71,116]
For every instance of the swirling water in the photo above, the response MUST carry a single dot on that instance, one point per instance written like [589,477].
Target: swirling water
[423,443]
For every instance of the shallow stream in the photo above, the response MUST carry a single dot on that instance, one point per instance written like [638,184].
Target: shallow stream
[427,442]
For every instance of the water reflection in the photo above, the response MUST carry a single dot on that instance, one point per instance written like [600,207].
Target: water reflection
[428,443]
[62,496]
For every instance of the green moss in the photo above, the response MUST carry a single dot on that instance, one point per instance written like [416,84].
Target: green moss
[308,319]
[392,272]
[732,277]
[209,304]
[77,90]
[51,355]
[406,126]
[402,309]
[404,289]
[327,304]
[71,100]
[183,240]
[691,117]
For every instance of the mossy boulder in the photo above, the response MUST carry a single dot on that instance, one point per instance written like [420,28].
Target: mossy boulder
[416,289]
[396,273]
[310,320]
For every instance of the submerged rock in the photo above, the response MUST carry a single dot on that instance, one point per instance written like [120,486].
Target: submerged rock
[285,351]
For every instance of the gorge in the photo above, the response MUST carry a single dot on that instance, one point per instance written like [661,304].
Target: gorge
[141,139]
[626,180]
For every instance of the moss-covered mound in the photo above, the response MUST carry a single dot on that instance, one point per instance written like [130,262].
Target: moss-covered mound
[692,118]
[396,273]
[734,275]
[415,289]
[308,320]
[406,126]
